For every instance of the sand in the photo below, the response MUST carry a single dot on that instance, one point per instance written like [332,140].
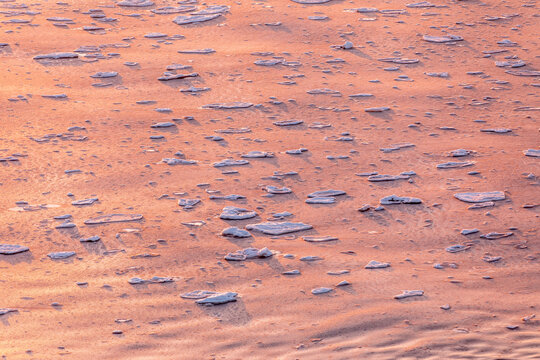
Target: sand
[324,91]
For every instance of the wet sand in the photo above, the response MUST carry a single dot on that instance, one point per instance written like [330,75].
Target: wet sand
[97,141]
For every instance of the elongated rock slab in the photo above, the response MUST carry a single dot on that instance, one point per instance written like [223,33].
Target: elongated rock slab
[188,19]
[394,199]
[278,228]
[220,298]
[57,56]
[318,239]
[197,294]
[7,249]
[478,197]
[326,193]
[442,39]
[113,218]
[409,293]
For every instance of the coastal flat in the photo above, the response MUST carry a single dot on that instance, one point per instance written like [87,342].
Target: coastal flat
[126,129]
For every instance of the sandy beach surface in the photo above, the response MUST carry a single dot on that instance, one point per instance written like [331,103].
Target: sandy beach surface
[158,157]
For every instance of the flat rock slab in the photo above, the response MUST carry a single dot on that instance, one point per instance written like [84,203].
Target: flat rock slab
[236,213]
[165,124]
[7,310]
[249,253]
[496,235]
[84,202]
[61,255]
[168,10]
[278,228]
[104,74]
[90,239]
[113,218]
[376,265]
[321,290]
[377,109]
[235,232]
[197,294]
[377,178]
[226,106]
[394,199]
[135,3]
[311,2]
[497,130]
[481,205]
[409,293]
[177,76]
[459,153]
[230,162]
[442,39]
[188,203]
[277,190]
[318,239]
[57,56]
[455,164]
[175,161]
[217,299]
[194,19]
[258,155]
[288,122]
[7,249]
[321,200]
[326,193]
[457,248]
[213,9]
[523,72]
[478,197]
[532,152]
